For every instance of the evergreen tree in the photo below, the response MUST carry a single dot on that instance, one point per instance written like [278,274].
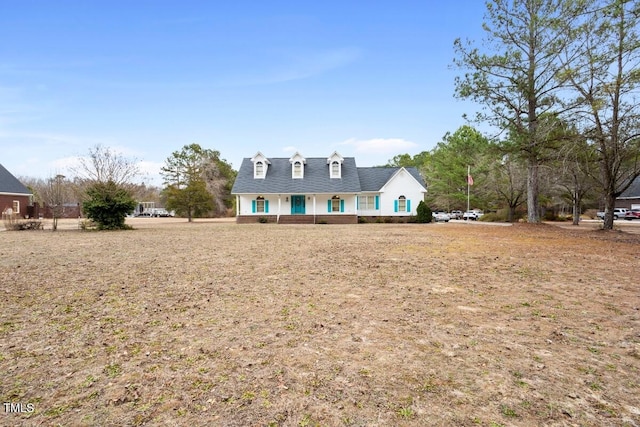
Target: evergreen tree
[108,204]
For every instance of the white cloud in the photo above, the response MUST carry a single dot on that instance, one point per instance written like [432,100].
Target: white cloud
[311,64]
[50,140]
[296,66]
[150,172]
[289,149]
[380,145]
[65,164]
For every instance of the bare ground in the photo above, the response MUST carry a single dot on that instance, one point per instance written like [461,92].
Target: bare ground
[214,323]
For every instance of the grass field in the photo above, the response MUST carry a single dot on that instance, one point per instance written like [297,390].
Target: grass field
[219,324]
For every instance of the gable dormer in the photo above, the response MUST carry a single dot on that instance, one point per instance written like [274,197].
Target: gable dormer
[335,165]
[297,166]
[260,165]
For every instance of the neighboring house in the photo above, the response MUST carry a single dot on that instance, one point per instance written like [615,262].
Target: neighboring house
[631,198]
[323,190]
[69,210]
[14,196]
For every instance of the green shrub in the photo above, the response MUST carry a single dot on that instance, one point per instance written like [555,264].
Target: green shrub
[263,220]
[108,205]
[424,214]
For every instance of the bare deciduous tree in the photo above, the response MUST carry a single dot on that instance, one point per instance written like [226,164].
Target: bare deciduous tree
[52,194]
[105,179]
[55,197]
[104,165]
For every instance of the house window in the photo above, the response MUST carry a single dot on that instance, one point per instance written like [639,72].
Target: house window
[335,204]
[335,170]
[367,203]
[297,169]
[402,204]
[260,205]
[16,206]
[259,169]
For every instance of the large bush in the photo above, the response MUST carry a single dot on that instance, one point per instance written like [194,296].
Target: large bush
[424,214]
[108,205]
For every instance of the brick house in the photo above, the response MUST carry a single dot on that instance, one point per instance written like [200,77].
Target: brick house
[14,196]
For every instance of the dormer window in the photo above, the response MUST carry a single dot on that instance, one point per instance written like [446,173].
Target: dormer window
[260,165]
[297,166]
[335,165]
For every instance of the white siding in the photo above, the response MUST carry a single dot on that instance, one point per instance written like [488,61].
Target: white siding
[246,204]
[322,204]
[372,211]
[401,184]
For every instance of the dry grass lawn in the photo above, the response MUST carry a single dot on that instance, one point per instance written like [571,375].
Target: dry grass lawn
[221,324]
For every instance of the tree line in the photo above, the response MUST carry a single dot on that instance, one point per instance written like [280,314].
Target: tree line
[560,79]
[500,176]
[197,182]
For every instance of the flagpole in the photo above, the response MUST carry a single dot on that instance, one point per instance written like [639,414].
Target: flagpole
[468,185]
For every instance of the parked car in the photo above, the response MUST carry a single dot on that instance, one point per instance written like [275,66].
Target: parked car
[617,213]
[472,215]
[455,215]
[160,212]
[441,217]
[632,214]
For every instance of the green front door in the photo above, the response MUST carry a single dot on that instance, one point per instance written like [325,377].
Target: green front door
[297,205]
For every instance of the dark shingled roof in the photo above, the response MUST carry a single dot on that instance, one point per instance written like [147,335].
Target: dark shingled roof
[374,178]
[633,191]
[10,184]
[316,178]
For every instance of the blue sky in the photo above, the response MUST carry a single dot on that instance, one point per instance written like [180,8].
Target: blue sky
[370,79]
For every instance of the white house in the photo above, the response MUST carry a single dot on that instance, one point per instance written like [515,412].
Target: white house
[325,190]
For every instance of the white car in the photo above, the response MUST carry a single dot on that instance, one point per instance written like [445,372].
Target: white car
[472,215]
[455,215]
[617,213]
[441,217]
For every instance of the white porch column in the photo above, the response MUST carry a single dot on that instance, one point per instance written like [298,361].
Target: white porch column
[237,205]
[279,204]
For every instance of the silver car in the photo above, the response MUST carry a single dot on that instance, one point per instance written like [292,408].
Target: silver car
[441,217]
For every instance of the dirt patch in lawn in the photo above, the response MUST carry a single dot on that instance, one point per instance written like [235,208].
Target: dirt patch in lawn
[214,323]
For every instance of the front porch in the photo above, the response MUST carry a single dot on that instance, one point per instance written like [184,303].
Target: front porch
[298,219]
[297,208]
